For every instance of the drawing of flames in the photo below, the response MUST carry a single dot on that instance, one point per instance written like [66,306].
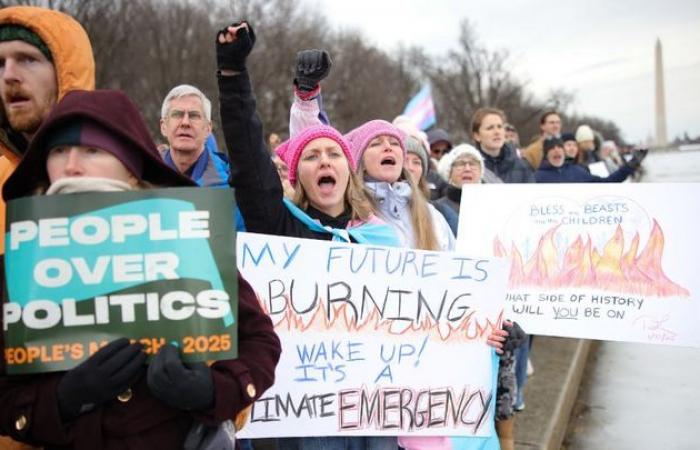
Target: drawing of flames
[468,328]
[583,265]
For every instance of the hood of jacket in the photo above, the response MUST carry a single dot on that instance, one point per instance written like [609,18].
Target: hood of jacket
[70,49]
[114,112]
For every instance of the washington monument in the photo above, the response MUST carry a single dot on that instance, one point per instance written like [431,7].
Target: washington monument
[660,98]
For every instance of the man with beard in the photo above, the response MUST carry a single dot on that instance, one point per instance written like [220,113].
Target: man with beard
[43,55]
[550,126]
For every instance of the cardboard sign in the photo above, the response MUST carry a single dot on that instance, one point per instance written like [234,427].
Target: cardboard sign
[599,261]
[156,266]
[375,340]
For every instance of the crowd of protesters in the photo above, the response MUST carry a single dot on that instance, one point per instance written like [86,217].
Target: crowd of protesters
[381,183]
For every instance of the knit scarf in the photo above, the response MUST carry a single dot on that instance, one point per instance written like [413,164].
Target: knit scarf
[74,185]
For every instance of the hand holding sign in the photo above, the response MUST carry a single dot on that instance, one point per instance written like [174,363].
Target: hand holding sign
[183,386]
[100,378]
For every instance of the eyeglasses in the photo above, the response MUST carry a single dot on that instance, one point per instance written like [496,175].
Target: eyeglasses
[177,114]
[465,162]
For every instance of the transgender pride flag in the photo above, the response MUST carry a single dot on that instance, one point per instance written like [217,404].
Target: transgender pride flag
[420,109]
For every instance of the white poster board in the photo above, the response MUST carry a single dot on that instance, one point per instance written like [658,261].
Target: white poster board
[375,340]
[600,261]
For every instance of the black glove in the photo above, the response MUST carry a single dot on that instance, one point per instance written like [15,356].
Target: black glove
[100,378]
[181,386]
[516,337]
[232,55]
[638,156]
[312,67]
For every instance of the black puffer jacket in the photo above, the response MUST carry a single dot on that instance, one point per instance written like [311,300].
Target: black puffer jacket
[507,166]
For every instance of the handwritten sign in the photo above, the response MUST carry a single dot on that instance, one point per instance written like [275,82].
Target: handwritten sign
[83,269]
[375,340]
[599,261]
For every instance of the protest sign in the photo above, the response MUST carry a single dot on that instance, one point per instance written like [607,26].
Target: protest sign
[156,266]
[375,340]
[600,261]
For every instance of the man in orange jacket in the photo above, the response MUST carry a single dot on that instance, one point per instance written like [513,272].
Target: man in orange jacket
[43,55]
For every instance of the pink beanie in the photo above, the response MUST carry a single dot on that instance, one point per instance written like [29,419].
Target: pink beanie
[291,152]
[282,149]
[361,136]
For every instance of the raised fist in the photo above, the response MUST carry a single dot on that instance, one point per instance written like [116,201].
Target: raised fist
[233,45]
[312,67]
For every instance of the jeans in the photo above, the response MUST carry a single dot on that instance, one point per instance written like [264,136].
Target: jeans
[245,444]
[338,443]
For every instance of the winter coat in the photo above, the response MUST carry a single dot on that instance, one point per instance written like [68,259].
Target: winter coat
[140,421]
[210,170]
[507,166]
[74,65]
[573,173]
[259,193]
[28,403]
[448,212]
[534,153]
[393,201]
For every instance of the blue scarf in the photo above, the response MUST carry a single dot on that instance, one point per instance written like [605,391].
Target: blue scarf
[366,233]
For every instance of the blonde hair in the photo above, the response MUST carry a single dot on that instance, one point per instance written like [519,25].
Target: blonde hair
[421,219]
[356,198]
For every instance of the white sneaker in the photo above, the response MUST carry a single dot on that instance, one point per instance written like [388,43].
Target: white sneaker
[530,368]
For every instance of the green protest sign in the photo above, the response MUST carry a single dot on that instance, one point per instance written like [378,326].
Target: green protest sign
[156,266]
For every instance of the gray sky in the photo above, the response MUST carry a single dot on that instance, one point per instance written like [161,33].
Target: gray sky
[601,50]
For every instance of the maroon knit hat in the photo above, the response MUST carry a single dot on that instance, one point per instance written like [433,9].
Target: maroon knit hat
[291,154]
[103,118]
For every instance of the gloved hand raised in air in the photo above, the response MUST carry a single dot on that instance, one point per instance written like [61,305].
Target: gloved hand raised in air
[312,67]
[181,386]
[100,378]
[233,45]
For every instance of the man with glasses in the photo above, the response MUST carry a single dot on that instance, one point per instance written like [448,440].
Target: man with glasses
[185,121]
[186,124]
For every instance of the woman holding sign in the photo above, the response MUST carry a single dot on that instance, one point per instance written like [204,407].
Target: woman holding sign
[329,202]
[320,161]
[97,142]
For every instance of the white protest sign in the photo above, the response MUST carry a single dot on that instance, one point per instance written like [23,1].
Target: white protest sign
[375,340]
[600,261]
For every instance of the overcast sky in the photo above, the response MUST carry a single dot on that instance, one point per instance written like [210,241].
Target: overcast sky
[601,50]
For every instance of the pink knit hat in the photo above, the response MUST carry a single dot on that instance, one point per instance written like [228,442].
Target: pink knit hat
[361,136]
[296,144]
[282,149]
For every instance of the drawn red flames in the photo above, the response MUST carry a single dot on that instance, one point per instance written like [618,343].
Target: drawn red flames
[468,328]
[584,266]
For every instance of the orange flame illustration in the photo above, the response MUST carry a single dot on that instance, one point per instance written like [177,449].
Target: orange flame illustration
[467,328]
[585,266]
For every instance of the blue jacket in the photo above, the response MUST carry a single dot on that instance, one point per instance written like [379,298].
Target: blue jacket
[573,173]
[211,169]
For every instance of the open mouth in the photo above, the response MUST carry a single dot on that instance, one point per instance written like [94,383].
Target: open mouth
[326,183]
[14,99]
[388,161]
[326,180]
